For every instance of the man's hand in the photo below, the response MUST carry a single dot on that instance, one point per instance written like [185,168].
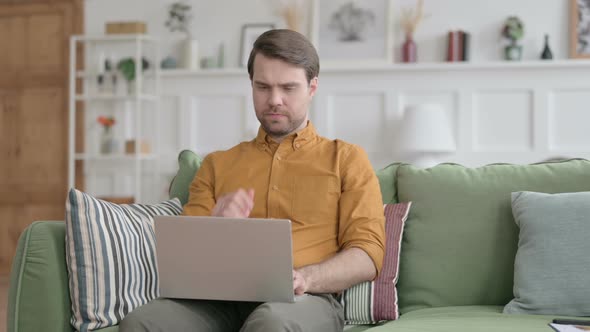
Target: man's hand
[238,204]
[299,283]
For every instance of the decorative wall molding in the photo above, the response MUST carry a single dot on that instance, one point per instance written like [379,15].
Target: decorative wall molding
[500,112]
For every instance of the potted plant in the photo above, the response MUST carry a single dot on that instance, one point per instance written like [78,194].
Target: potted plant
[127,68]
[514,31]
[179,18]
[107,141]
[410,19]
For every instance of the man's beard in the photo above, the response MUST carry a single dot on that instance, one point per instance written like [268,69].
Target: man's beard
[288,128]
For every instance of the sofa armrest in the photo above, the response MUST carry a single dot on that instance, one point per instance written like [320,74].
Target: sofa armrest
[38,297]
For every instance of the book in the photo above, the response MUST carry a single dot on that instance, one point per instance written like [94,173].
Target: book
[458,46]
[450,46]
[466,44]
[459,37]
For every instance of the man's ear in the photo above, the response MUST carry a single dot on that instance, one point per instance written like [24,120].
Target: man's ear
[313,86]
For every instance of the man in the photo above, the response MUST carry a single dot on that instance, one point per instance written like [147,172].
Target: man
[327,188]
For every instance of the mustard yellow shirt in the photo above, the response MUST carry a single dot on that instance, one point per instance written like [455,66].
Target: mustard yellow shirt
[327,188]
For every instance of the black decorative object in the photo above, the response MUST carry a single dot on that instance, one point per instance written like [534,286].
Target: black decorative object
[547,54]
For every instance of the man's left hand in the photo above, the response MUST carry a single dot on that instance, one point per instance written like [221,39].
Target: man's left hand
[299,283]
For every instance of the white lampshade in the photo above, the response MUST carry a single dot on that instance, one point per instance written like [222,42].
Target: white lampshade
[426,128]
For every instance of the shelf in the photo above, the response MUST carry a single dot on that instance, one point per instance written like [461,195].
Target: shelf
[460,66]
[93,75]
[111,38]
[137,97]
[114,157]
[106,97]
[203,72]
[381,67]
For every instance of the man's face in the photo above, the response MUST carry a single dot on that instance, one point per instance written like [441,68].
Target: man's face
[281,96]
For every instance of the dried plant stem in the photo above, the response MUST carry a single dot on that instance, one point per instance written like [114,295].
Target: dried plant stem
[292,16]
[292,12]
[411,18]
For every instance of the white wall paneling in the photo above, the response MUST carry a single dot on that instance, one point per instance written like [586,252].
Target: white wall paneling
[502,120]
[499,112]
[569,124]
[171,121]
[228,112]
[346,112]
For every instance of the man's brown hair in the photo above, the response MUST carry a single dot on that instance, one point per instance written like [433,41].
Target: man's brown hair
[289,46]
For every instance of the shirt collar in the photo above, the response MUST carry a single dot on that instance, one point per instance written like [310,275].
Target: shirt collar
[297,140]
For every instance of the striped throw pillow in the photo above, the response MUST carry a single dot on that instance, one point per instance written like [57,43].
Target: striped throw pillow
[110,254]
[374,301]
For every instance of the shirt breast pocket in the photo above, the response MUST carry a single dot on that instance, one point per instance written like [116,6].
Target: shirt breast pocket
[315,198]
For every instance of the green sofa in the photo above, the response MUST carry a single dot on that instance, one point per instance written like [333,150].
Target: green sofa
[456,264]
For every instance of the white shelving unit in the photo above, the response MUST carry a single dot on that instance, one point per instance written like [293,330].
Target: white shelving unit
[136,112]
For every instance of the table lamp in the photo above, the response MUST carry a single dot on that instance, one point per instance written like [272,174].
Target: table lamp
[425,133]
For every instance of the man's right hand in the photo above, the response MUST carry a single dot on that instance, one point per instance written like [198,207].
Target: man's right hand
[238,204]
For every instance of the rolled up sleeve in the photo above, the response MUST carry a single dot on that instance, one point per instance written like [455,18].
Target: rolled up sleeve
[201,198]
[362,221]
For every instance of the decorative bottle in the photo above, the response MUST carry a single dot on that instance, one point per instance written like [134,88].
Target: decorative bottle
[547,54]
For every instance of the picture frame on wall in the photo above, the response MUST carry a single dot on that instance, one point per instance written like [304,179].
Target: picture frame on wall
[580,29]
[250,32]
[353,31]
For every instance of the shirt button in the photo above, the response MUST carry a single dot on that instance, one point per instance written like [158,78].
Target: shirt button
[297,145]
[275,187]
[279,158]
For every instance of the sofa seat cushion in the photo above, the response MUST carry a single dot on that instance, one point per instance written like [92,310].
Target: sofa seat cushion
[357,328]
[466,318]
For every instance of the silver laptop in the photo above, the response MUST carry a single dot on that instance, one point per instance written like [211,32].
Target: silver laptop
[224,258]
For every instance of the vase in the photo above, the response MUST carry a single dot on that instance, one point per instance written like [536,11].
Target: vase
[546,54]
[107,141]
[131,88]
[513,52]
[409,50]
[190,54]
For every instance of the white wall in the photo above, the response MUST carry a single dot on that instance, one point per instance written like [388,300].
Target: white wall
[220,21]
[479,97]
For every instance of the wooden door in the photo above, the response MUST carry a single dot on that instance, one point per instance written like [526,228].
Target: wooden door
[34,64]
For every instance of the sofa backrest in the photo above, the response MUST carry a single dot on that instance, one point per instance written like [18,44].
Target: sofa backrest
[387,183]
[460,238]
[189,163]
